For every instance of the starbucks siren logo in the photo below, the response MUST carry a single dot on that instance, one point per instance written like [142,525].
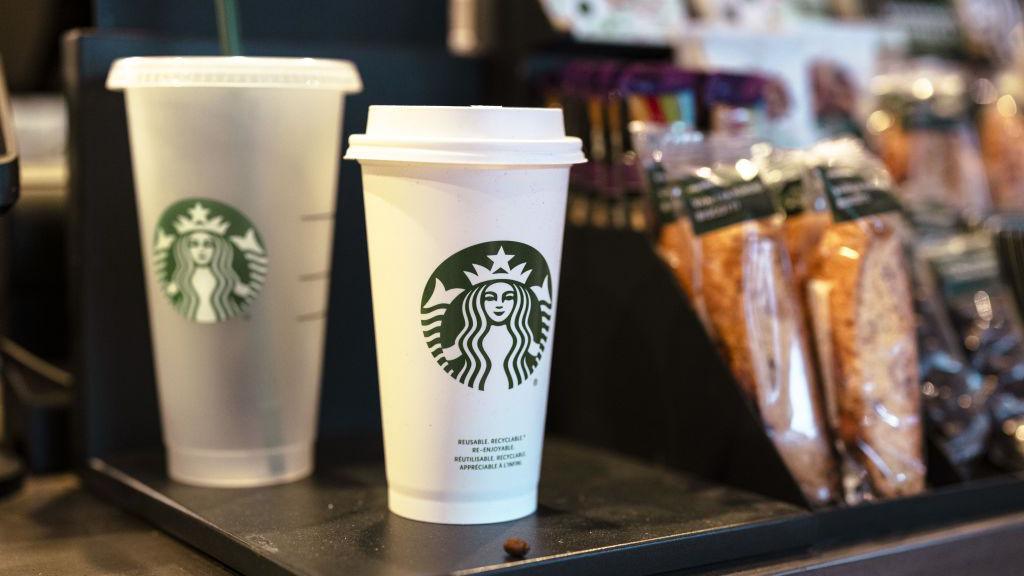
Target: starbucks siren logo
[209,259]
[486,314]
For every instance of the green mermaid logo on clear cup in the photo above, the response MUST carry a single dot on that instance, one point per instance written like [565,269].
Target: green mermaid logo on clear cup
[486,314]
[209,259]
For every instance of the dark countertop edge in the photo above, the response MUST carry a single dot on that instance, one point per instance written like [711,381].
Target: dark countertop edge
[128,493]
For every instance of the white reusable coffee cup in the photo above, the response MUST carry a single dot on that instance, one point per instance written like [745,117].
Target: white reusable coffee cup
[235,163]
[465,212]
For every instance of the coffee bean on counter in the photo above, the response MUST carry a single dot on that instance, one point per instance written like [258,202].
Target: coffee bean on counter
[516,547]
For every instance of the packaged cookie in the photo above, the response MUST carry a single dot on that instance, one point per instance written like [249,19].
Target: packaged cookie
[927,135]
[1007,406]
[1001,123]
[727,247]
[860,303]
[786,174]
[954,392]
[989,324]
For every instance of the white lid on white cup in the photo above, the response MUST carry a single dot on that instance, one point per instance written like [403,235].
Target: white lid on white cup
[477,135]
[234,72]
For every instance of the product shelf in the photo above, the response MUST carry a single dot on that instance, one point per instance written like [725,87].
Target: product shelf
[599,513]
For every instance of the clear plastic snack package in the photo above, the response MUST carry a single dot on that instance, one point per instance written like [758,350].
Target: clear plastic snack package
[1001,123]
[653,93]
[1007,407]
[666,152]
[987,321]
[786,174]
[860,303]
[955,394]
[925,129]
[722,233]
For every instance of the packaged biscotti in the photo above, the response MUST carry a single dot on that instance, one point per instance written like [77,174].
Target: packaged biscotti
[1001,123]
[860,303]
[728,234]
[786,174]
[927,134]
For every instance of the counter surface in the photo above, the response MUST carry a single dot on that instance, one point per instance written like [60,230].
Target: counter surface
[52,526]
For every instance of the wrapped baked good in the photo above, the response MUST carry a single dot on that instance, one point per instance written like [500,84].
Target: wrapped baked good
[860,303]
[665,154]
[927,137]
[729,255]
[1001,123]
[987,323]
[955,393]
[786,174]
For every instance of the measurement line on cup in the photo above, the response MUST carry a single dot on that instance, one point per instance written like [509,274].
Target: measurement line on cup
[314,276]
[311,316]
[317,217]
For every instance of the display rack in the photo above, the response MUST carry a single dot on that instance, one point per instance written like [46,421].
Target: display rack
[598,514]
[655,462]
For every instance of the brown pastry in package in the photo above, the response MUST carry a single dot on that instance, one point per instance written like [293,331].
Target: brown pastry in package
[677,247]
[924,131]
[751,303]
[721,234]
[861,305]
[747,295]
[785,173]
[802,233]
[1002,145]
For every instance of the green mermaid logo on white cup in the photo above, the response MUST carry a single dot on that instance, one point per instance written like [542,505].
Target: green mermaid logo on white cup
[486,314]
[209,260]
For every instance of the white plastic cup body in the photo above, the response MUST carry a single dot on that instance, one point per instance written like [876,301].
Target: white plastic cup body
[456,453]
[239,397]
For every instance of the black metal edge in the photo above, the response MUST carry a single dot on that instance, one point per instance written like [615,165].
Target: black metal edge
[845,559]
[69,58]
[673,553]
[126,492]
[934,508]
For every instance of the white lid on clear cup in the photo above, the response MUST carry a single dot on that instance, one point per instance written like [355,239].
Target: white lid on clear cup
[475,135]
[234,72]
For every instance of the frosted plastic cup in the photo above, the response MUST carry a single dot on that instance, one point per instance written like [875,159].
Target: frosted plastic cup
[465,211]
[236,167]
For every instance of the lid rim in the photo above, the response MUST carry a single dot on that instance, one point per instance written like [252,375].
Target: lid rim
[554,152]
[466,135]
[369,140]
[233,71]
[491,162]
[509,158]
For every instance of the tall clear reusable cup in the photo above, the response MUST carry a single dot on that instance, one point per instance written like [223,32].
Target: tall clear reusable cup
[465,211]
[236,167]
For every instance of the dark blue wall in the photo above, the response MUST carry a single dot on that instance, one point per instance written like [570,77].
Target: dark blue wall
[416,22]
